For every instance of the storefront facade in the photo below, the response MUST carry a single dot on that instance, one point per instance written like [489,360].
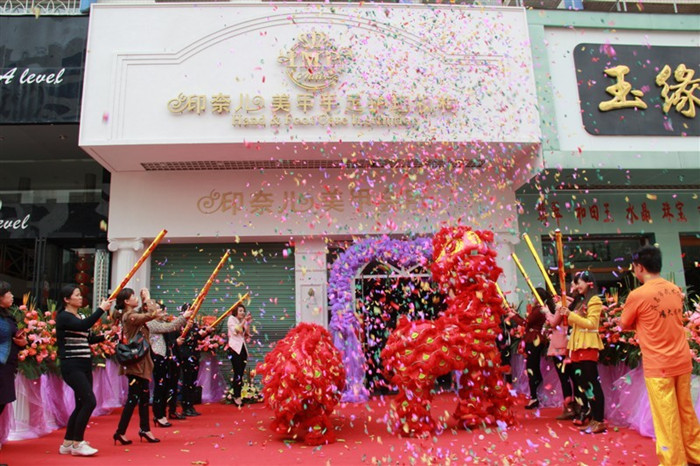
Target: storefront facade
[621,146]
[53,197]
[277,130]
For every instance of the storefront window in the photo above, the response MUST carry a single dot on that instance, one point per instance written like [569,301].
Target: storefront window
[690,250]
[607,256]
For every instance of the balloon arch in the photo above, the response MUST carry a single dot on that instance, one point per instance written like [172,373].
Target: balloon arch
[345,326]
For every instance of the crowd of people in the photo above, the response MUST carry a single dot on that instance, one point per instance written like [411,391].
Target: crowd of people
[171,361]
[653,310]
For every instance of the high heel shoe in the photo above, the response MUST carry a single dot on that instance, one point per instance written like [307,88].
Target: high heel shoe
[533,404]
[144,435]
[157,422]
[121,440]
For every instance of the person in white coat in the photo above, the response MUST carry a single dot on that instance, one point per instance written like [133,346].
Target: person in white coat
[238,325]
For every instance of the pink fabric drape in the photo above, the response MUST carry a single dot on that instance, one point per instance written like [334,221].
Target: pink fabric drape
[626,399]
[5,419]
[110,388]
[549,392]
[209,378]
[57,399]
[29,420]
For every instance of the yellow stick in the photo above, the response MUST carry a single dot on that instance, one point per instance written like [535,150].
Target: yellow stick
[200,297]
[527,279]
[540,265]
[560,265]
[503,297]
[138,264]
[230,309]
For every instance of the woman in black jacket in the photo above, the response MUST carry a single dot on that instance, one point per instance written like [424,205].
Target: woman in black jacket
[74,338]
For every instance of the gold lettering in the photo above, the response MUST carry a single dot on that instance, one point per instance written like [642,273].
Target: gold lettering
[192,103]
[305,102]
[681,96]
[619,91]
[280,103]
[220,103]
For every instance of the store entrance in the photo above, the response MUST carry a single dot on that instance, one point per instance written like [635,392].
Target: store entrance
[383,293]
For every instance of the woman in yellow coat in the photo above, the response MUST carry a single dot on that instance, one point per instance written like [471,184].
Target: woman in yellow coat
[584,346]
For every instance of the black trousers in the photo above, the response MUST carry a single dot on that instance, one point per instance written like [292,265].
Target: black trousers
[190,370]
[172,382]
[238,363]
[532,364]
[589,392]
[139,392]
[77,373]
[160,385]
[566,377]
[505,361]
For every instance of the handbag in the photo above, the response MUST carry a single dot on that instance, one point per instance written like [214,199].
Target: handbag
[132,351]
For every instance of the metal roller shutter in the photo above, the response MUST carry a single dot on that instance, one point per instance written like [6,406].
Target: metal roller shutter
[179,271]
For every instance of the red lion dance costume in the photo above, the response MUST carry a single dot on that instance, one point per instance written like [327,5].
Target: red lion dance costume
[463,339]
[303,378]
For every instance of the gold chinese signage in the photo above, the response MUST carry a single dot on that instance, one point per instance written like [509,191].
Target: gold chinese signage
[314,64]
[638,90]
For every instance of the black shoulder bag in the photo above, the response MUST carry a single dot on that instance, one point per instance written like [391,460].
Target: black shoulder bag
[133,350]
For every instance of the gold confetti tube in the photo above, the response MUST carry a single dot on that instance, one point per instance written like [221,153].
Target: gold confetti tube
[138,264]
[200,297]
[503,297]
[540,265]
[230,309]
[560,265]
[527,279]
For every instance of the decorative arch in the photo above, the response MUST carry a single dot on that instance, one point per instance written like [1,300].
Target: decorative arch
[345,325]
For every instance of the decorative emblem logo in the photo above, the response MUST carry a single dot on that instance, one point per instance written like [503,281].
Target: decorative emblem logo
[314,63]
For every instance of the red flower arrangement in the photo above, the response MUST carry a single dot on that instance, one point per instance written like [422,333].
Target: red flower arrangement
[213,342]
[40,354]
[620,346]
[693,326]
[105,349]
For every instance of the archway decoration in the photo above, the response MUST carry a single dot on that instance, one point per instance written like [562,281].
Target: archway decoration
[345,325]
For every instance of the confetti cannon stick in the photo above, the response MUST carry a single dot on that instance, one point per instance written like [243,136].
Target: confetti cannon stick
[200,297]
[230,309]
[560,265]
[550,286]
[138,264]
[527,279]
[503,297]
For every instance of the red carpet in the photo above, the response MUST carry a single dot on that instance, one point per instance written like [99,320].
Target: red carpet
[225,435]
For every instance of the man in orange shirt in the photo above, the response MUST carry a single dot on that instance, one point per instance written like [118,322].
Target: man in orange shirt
[655,311]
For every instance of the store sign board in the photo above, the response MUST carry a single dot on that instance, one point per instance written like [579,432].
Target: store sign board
[41,68]
[51,220]
[638,89]
[261,203]
[317,74]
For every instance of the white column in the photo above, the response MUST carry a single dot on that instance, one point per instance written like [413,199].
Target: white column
[311,281]
[125,253]
[504,246]
[672,257]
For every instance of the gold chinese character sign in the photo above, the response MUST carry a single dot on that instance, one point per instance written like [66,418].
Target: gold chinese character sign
[638,89]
